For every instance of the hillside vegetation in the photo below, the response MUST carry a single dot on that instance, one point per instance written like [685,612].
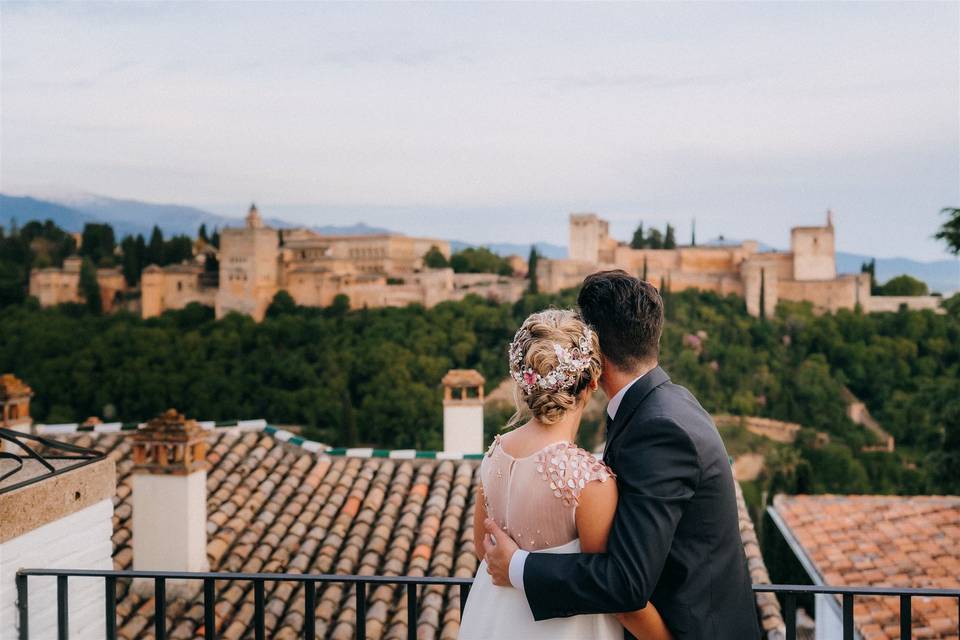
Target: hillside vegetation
[373,376]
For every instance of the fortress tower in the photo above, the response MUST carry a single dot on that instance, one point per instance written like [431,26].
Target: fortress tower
[588,235]
[248,268]
[813,252]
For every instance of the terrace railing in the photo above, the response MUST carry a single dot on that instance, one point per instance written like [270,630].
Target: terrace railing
[788,593]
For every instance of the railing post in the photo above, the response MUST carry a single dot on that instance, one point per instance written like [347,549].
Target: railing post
[906,624]
[258,597]
[464,594]
[848,616]
[411,611]
[110,606]
[160,608]
[361,596]
[790,615]
[63,609]
[310,610]
[22,607]
[209,617]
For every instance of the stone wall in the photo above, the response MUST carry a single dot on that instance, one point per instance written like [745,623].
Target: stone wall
[893,303]
[173,287]
[785,432]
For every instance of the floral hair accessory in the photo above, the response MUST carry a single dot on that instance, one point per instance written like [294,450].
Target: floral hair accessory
[570,364]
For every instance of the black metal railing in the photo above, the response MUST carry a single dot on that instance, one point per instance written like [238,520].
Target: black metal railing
[788,593]
[209,579]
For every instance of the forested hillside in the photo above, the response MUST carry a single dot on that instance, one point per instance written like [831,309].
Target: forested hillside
[373,376]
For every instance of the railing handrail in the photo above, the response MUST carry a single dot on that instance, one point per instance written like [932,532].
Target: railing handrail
[235,575]
[856,591]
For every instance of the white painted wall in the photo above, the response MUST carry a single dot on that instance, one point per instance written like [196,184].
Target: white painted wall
[170,522]
[81,540]
[463,426]
[829,618]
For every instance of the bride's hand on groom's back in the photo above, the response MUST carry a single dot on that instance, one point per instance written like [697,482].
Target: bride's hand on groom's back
[498,553]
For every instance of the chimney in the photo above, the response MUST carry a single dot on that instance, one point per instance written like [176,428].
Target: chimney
[15,403]
[56,511]
[169,497]
[463,411]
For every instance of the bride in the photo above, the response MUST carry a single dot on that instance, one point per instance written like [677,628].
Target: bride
[548,494]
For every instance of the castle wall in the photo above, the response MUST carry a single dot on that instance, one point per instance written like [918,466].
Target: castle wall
[172,287]
[52,286]
[828,295]
[892,303]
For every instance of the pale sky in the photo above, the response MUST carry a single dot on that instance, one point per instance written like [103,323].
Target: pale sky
[491,122]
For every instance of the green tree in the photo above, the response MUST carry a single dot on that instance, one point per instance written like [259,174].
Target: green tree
[89,287]
[655,239]
[669,239]
[282,304]
[903,285]
[98,244]
[155,247]
[949,231]
[215,238]
[479,260]
[871,268]
[693,233]
[644,277]
[202,233]
[434,258]
[763,294]
[532,261]
[638,242]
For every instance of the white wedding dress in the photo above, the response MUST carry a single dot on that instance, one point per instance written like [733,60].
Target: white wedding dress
[533,499]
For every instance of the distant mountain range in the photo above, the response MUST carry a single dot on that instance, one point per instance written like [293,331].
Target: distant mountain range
[72,211]
[130,217]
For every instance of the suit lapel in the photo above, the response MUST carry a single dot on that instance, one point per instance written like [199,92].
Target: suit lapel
[632,401]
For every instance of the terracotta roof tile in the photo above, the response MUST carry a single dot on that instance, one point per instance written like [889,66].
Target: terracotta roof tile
[896,541]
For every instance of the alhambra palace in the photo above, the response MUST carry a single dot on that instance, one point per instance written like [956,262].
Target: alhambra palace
[379,270]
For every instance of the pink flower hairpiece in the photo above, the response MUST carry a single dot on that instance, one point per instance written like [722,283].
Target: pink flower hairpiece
[570,364]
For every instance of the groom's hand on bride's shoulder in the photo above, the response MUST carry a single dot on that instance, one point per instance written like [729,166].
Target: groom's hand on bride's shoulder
[499,553]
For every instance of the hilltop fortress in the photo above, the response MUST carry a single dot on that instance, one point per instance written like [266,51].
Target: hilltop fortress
[255,262]
[808,272]
[376,270]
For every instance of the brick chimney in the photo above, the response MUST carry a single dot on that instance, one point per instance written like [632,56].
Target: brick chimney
[15,403]
[169,496]
[463,411]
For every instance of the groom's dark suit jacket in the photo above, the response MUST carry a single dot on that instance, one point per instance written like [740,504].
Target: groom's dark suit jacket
[675,539]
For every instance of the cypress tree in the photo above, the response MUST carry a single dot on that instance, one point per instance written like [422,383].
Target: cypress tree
[532,269]
[763,294]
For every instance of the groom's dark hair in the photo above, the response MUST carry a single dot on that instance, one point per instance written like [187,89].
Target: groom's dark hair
[627,314]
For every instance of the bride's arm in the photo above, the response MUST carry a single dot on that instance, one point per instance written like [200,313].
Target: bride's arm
[594,515]
[479,516]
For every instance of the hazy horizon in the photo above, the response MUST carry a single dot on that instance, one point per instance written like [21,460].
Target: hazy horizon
[492,123]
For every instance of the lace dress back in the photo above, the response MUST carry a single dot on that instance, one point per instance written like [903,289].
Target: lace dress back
[534,498]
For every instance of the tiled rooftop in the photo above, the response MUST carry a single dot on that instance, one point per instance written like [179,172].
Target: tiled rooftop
[277,507]
[883,541]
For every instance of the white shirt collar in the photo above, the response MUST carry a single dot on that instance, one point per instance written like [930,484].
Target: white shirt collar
[614,404]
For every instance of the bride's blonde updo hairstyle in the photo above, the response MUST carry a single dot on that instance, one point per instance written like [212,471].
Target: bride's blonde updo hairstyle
[553,358]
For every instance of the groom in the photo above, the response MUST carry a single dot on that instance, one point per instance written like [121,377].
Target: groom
[675,539]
